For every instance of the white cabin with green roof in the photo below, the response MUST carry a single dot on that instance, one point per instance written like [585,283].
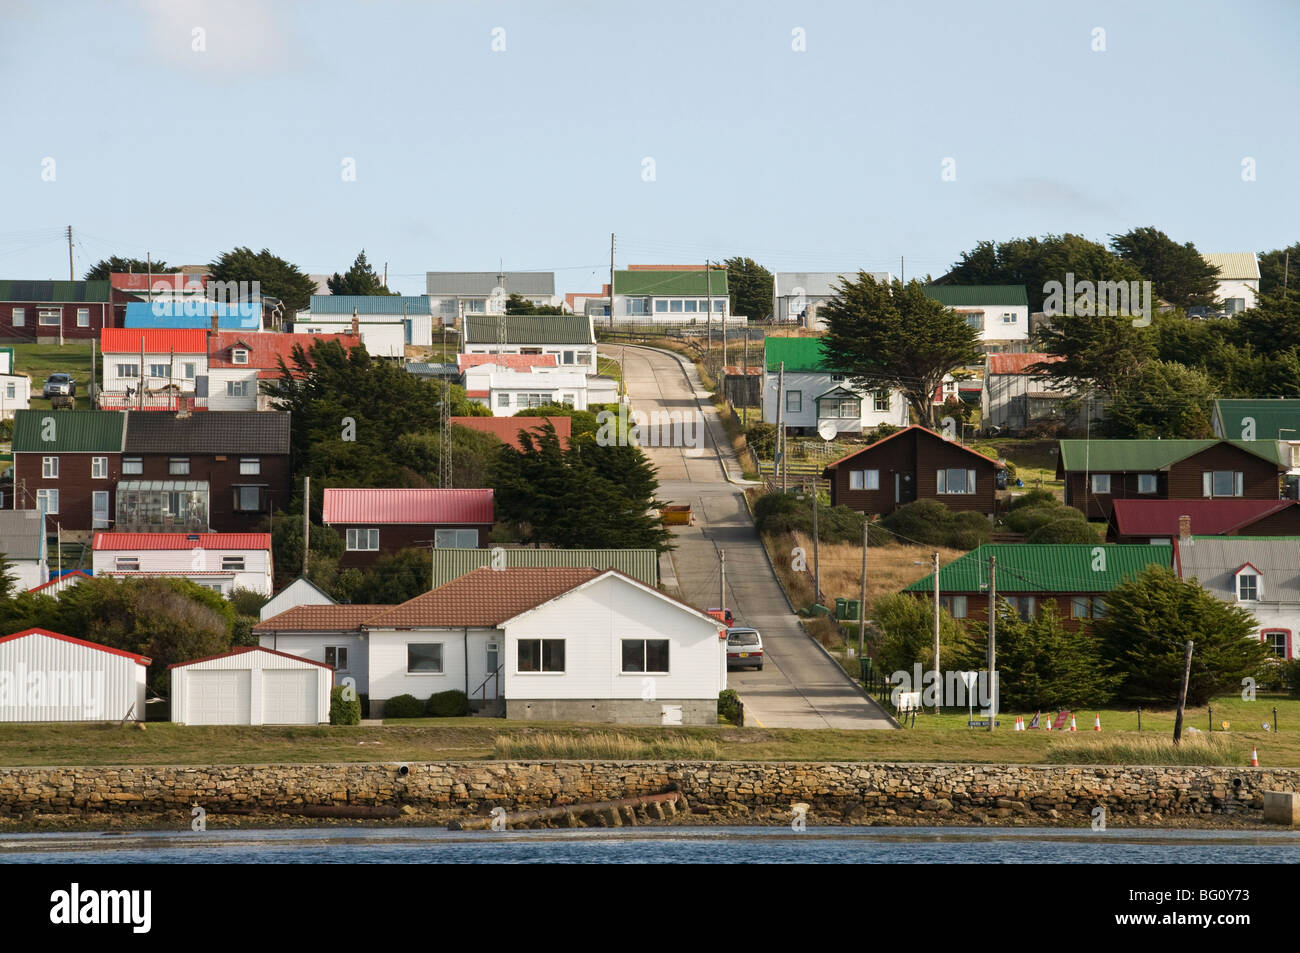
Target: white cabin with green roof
[814,394]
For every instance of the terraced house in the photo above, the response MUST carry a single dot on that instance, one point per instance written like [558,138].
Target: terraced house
[56,310]
[68,463]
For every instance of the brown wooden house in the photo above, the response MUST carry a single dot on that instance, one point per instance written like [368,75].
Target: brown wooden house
[1161,521]
[375,522]
[914,464]
[68,462]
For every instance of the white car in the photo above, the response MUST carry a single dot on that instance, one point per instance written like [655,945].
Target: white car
[744,647]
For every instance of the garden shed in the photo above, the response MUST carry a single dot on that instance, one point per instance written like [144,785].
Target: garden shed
[251,686]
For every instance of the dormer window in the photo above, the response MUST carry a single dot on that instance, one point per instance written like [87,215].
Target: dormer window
[239,355]
[1248,583]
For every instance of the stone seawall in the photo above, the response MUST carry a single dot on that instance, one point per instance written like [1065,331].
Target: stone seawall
[734,792]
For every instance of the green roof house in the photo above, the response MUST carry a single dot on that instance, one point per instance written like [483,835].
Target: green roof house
[68,462]
[678,295]
[815,394]
[1257,419]
[1000,313]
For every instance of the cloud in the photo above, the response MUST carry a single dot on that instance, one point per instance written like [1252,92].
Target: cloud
[243,37]
[1049,195]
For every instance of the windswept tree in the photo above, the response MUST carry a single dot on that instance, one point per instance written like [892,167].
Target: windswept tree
[1280,268]
[750,285]
[276,277]
[1162,400]
[360,279]
[894,336]
[105,267]
[518,304]
[1178,272]
[1097,352]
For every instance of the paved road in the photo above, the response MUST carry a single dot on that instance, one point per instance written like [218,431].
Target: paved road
[800,686]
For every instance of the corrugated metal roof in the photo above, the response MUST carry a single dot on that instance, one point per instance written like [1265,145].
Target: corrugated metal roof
[1129,456]
[399,506]
[641,564]
[1019,363]
[159,486]
[194,313]
[480,283]
[244,650]
[820,284]
[529,329]
[974,296]
[1234,265]
[370,304]
[919,432]
[1270,419]
[72,431]
[506,429]
[799,354]
[1211,517]
[168,541]
[515,362]
[55,292]
[227,431]
[1047,567]
[128,341]
[484,597]
[22,534]
[671,283]
[142,659]
[1214,560]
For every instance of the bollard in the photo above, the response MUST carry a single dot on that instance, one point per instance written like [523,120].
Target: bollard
[1139,717]
[1210,709]
[1275,719]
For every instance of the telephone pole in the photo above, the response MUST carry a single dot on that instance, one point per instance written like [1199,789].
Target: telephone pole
[306,522]
[779,459]
[862,605]
[71,276]
[611,279]
[817,563]
[989,679]
[722,579]
[938,676]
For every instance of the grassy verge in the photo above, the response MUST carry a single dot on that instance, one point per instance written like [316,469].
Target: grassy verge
[39,361]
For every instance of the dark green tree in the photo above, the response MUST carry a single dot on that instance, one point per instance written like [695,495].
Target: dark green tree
[276,277]
[906,637]
[8,579]
[1044,666]
[1276,270]
[393,579]
[1162,400]
[103,269]
[518,304]
[360,279]
[750,285]
[1178,272]
[1097,352]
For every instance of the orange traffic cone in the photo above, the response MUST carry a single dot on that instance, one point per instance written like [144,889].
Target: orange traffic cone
[1073,726]
[1096,723]
[1047,724]
[1020,723]
[1254,757]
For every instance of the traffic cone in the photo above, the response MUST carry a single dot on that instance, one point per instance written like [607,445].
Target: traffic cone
[1254,757]
[1047,725]
[1020,723]
[1073,726]
[1096,723]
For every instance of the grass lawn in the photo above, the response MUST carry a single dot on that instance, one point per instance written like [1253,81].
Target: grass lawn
[39,361]
[1034,460]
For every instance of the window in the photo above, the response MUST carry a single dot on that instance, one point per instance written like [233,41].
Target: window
[1277,642]
[661,306]
[1008,317]
[248,499]
[11,390]
[475,306]
[882,401]
[132,465]
[1146,482]
[49,316]
[20,317]
[675,306]
[717,305]
[178,466]
[1087,607]
[1098,607]
[1023,606]
[956,606]
[99,468]
[188,370]
[637,306]
[83,317]
[49,468]
[954,481]
[424,658]
[337,655]
[570,357]
[864,479]
[837,378]
[455,539]
[794,402]
[49,501]
[540,655]
[363,539]
[128,370]
[127,564]
[535,400]
[503,399]
[568,400]
[232,563]
[975,319]
[645,655]
[1221,483]
[250,466]
[239,355]
[239,388]
[1247,587]
[1101,483]
[689,306]
[160,370]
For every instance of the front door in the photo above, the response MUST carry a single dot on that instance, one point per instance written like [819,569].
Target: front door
[904,488]
[99,509]
[492,688]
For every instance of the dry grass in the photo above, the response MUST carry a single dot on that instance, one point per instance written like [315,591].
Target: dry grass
[889,569]
[604,746]
[1200,748]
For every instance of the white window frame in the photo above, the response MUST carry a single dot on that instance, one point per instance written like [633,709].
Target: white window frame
[1100,484]
[49,317]
[238,388]
[455,538]
[1147,483]
[232,564]
[174,462]
[83,317]
[128,370]
[968,483]
[99,522]
[357,543]
[795,398]
[239,355]
[99,468]
[238,502]
[442,659]
[1256,585]
[1209,483]
[51,498]
[864,480]
[132,466]
[160,370]
[338,651]
[20,317]
[49,468]
[541,657]
[883,397]
[645,651]
[250,466]
[126,564]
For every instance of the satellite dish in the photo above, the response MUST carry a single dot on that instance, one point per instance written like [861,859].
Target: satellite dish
[827,430]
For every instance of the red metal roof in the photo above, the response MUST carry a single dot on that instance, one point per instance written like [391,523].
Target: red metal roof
[515,362]
[142,659]
[1209,517]
[127,341]
[478,393]
[506,429]
[443,507]
[248,648]
[159,282]
[146,541]
[265,348]
[74,574]
[1019,363]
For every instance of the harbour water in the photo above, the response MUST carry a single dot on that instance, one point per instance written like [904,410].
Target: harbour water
[728,845]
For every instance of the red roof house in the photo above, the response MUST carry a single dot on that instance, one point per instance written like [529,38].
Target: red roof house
[513,362]
[374,521]
[506,429]
[1144,521]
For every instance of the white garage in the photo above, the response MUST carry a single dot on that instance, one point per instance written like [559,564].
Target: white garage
[46,676]
[251,686]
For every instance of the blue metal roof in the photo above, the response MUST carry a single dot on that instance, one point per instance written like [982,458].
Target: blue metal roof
[194,313]
[370,304]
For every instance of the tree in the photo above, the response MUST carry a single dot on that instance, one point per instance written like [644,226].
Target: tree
[1034,262]
[394,578]
[907,637]
[360,279]
[8,579]
[750,285]
[1178,272]
[276,277]
[518,304]
[1097,352]
[896,337]
[1162,400]
[1042,665]
[1149,621]
[1277,270]
[103,269]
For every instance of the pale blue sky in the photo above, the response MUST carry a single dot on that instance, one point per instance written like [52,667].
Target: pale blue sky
[826,159]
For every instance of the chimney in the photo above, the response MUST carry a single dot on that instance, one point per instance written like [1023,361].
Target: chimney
[356,324]
[215,319]
[1184,529]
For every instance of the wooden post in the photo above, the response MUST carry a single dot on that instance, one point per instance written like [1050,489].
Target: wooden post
[1182,695]
[938,675]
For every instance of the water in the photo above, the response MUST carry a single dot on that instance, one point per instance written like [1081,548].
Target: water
[735,845]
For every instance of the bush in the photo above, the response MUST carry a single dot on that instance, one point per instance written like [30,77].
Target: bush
[777,513]
[1034,498]
[762,438]
[931,523]
[883,431]
[1065,530]
[403,706]
[449,704]
[1291,674]
[729,706]
[344,711]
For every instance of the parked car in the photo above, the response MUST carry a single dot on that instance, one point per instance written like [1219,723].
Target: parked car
[722,615]
[61,385]
[744,647]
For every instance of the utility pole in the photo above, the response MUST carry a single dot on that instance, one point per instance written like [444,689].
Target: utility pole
[611,279]
[902,270]
[71,276]
[744,393]
[817,563]
[992,660]
[722,579]
[938,676]
[306,523]
[708,321]
[862,604]
[779,461]
[1182,694]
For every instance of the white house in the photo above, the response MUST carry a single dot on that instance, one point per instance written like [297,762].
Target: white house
[300,592]
[239,361]
[814,395]
[387,323]
[797,296]
[251,685]
[1238,279]
[508,392]
[455,295]
[1256,573]
[15,394]
[569,337]
[1013,398]
[218,561]
[22,540]
[552,643]
[166,363]
[681,294]
[1000,313]
[46,676]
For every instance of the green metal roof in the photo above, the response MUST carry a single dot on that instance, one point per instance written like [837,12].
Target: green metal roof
[69,431]
[799,354]
[1271,418]
[667,283]
[642,564]
[1134,456]
[55,291]
[529,329]
[973,296]
[1047,567]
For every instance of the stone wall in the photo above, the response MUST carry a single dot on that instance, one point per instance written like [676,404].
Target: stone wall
[735,792]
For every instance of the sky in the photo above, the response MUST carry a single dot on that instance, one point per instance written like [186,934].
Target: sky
[818,136]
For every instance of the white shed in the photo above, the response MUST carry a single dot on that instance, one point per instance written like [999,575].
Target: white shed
[300,592]
[251,686]
[45,676]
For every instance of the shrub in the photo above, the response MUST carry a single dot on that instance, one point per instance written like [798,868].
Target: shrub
[1291,672]
[1065,530]
[729,706]
[777,513]
[931,523]
[883,431]
[344,711]
[449,704]
[1034,498]
[762,438]
[403,706]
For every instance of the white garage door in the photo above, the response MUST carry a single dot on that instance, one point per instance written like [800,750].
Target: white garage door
[220,697]
[289,697]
